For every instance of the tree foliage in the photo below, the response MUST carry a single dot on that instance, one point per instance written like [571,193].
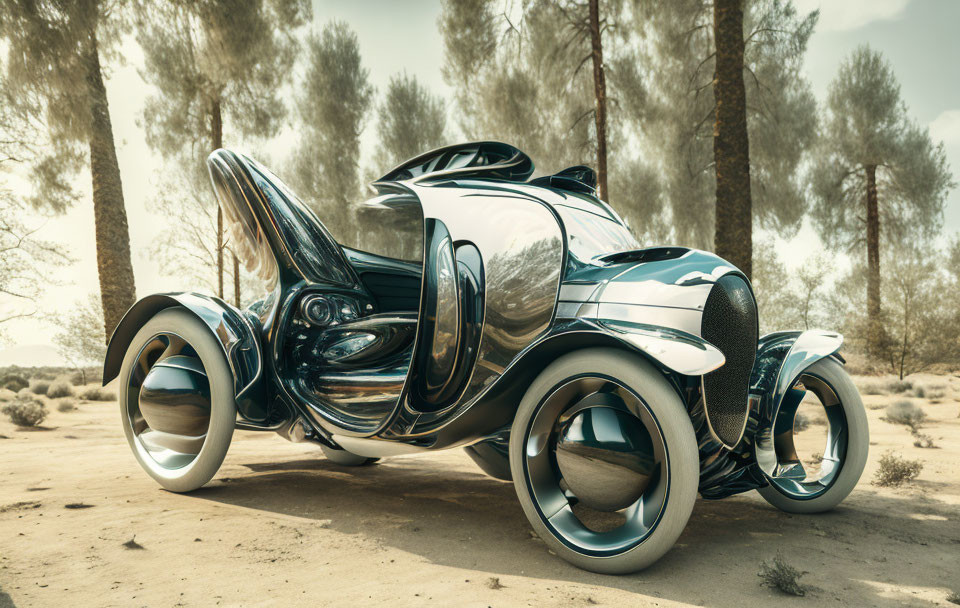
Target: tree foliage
[866,123]
[80,339]
[53,76]
[333,102]
[411,121]
[217,67]
[878,176]
[675,117]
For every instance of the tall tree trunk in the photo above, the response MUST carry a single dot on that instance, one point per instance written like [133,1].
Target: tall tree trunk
[600,92]
[731,149]
[216,140]
[216,132]
[117,289]
[236,280]
[874,326]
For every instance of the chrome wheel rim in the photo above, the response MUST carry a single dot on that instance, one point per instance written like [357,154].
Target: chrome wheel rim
[593,447]
[793,477]
[168,404]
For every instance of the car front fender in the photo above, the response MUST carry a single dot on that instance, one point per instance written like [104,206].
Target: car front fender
[781,358]
[237,335]
[676,350]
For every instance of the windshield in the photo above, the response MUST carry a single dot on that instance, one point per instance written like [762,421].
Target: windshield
[593,229]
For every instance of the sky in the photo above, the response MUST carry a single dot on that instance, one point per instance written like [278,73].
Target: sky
[916,36]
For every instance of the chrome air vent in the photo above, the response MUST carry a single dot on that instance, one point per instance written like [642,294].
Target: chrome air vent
[729,323]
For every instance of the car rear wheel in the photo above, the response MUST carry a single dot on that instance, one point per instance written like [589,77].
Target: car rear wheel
[176,400]
[604,460]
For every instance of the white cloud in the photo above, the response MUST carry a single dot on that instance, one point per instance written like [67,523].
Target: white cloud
[852,14]
[946,128]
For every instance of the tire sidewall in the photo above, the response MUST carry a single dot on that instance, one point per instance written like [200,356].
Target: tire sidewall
[223,409]
[858,445]
[642,378]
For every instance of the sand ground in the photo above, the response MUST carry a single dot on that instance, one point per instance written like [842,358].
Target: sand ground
[280,526]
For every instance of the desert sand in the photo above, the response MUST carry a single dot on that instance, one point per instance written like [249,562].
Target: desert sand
[280,526]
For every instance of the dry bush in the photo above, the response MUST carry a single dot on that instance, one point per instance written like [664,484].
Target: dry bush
[60,388]
[895,470]
[6,394]
[39,386]
[781,576]
[14,382]
[98,394]
[67,405]
[905,413]
[870,386]
[801,422]
[954,598]
[25,412]
[922,440]
[897,385]
[930,391]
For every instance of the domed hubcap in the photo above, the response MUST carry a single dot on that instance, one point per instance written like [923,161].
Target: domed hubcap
[595,455]
[168,402]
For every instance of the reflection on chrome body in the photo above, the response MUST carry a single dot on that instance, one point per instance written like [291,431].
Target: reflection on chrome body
[379,355]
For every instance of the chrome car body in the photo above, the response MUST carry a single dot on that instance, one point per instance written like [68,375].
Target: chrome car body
[378,356]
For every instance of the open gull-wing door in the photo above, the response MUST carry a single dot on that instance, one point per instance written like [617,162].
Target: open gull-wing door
[274,233]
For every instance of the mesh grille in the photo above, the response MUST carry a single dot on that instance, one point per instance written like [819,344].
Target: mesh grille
[730,323]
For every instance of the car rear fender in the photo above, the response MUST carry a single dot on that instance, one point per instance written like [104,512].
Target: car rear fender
[237,334]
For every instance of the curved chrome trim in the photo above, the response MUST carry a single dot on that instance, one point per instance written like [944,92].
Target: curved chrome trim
[808,348]
[676,350]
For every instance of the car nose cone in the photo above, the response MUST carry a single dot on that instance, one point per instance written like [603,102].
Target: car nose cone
[606,458]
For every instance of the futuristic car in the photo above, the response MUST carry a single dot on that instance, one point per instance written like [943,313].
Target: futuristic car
[611,383]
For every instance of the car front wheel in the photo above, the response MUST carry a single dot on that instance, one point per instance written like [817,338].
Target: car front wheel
[604,460]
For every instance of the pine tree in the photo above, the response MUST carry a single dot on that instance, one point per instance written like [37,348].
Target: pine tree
[333,102]
[215,63]
[878,177]
[54,73]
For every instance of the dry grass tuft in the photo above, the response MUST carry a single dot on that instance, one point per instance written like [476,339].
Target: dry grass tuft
[96,393]
[60,388]
[67,405]
[25,413]
[906,413]
[778,574]
[39,387]
[895,470]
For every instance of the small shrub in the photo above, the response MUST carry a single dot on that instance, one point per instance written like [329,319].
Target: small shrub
[922,440]
[6,394]
[800,422]
[39,387]
[25,412]
[67,405]
[930,391]
[76,379]
[781,576]
[954,598]
[870,386]
[898,386]
[905,413]
[14,382]
[895,470]
[96,393]
[26,394]
[60,388]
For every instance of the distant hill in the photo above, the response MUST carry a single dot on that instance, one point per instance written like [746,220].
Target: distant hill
[31,355]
